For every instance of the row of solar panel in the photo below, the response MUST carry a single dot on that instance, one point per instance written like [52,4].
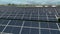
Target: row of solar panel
[27,16]
[29,11]
[17,30]
[32,18]
[30,24]
[41,11]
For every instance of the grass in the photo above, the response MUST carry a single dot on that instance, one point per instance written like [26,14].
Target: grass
[27,5]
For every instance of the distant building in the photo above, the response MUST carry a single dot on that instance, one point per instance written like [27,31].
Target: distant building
[38,6]
[46,6]
[53,5]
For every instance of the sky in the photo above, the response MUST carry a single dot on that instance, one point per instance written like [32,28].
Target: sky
[30,1]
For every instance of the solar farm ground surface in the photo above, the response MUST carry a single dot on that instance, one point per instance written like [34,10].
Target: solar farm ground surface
[29,27]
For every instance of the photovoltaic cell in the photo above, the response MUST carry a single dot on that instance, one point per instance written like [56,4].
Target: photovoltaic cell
[45,31]
[16,22]
[30,31]
[55,32]
[25,31]
[27,23]
[44,25]
[59,24]
[53,25]
[14,30]
[1,28]
[34,31]
[3,21]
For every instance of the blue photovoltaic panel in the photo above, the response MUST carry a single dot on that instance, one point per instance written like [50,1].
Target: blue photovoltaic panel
[45,31]
[44,25]
[29,13]
[16,22]
[14,30]
[30,31]
[56,32]
[1,28]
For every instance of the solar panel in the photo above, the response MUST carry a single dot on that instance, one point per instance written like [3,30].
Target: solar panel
[29,27]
